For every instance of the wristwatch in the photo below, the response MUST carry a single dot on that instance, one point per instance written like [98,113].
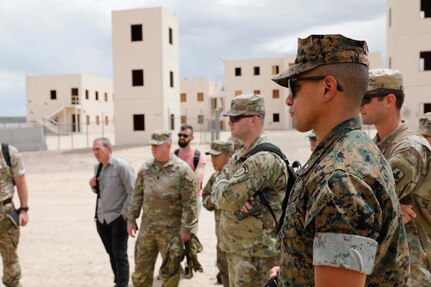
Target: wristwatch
[23,209]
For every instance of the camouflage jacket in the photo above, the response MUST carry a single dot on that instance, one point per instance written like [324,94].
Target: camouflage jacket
[166,192]
[345,192]
[206,194]
[409,155]
[255,235]
[8,173]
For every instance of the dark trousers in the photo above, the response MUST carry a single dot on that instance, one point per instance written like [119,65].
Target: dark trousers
[114,237]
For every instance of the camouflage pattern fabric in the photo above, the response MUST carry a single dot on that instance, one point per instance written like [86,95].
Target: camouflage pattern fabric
[409,155]
[317,50]
[209,205]
[172,258]
[254,236]
[385,79]
[425,124]
[249,271]
[346,187]
[166,194]
[9,230]
[246,104]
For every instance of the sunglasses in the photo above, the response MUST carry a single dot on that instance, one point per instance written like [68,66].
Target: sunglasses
[368,97]
[292,81]
[235,119]
[183,136]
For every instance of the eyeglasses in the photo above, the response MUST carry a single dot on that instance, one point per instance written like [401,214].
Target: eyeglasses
[183,136]
[292,81]
[312,139]
[235,119]
[368,97]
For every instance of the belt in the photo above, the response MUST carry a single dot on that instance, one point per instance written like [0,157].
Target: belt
[6,201]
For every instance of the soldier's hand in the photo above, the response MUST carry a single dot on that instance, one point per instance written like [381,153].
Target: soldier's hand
[274,271]
[131,229]
[93,182]
[185,236]
[407,213]
[23,218]
[247,207]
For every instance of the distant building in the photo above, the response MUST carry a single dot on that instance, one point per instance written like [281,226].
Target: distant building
[145,47]
[201,102]
[70,103]
[253,76]
[409,50]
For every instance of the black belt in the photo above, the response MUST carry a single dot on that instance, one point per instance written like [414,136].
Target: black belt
[6,201]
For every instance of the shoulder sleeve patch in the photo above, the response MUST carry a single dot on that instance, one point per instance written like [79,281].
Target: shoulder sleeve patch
[241,171]
[398,174]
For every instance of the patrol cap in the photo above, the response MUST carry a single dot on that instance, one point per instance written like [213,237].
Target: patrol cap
[318,50]
[160,137]
[385,79]
[218,147]
[246,104]
[425,124]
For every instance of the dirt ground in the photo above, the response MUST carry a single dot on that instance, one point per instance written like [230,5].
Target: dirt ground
[60,245]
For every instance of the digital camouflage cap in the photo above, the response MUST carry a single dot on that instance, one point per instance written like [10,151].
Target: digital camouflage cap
[385,79]
[246,104]
[318,50]
[425,124]
[160,137]
[218,147]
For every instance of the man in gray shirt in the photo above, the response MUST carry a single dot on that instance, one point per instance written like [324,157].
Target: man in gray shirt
[113,183]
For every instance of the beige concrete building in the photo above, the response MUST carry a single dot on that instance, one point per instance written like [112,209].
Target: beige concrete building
[201,103]
[145,46]
[70,103]
[409,50]
[253,76]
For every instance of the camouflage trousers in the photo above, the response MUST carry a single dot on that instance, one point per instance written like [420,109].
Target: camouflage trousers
[9,237]
[221,255]
[148,245]
[249,271]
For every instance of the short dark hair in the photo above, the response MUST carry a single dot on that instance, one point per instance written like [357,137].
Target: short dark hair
[399,96]
[186,127]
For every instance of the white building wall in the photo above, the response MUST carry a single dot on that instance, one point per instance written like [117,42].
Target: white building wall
[409,34]
[156,99]
[41,109]
[195,112]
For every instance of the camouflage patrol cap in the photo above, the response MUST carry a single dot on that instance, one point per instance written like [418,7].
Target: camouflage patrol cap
[160,137]
[385,79]
[246,104]
[425,124]
[218,147]
[318,50]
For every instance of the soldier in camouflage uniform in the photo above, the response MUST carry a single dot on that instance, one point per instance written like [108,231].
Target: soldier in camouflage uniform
[251,244]
[343,224]
[409,155]
[221,152]
[425,126]
[165,190]
[9,229]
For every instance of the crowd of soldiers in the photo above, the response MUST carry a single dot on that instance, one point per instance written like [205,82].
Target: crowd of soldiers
[359,213]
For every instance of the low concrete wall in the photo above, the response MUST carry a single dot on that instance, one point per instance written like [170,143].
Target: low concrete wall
[24,139]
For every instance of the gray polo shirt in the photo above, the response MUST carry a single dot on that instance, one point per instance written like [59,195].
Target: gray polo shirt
[116,184]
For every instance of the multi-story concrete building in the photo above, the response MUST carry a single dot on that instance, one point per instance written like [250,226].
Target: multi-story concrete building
[409,50]
[253,76]
[70,103]
[145,48]
[201,103]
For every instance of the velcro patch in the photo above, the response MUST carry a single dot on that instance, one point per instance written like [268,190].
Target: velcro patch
[398,174]
[241,171]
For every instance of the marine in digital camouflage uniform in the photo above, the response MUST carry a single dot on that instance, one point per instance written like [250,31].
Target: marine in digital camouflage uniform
[165,190]
[251,244]
[425,126]
[343,224]
[409,155]
[9,229]
[220,152]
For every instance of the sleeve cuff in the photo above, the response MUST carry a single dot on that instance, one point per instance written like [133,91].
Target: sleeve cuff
[345,251]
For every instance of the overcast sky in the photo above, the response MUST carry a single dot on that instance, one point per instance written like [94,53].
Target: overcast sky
[74,36]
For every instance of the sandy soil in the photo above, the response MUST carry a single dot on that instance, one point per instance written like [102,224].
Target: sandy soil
[60,245]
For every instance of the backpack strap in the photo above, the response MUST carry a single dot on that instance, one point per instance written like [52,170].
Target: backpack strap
[196,158]
[99,170]
[177,151]
[6,155]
